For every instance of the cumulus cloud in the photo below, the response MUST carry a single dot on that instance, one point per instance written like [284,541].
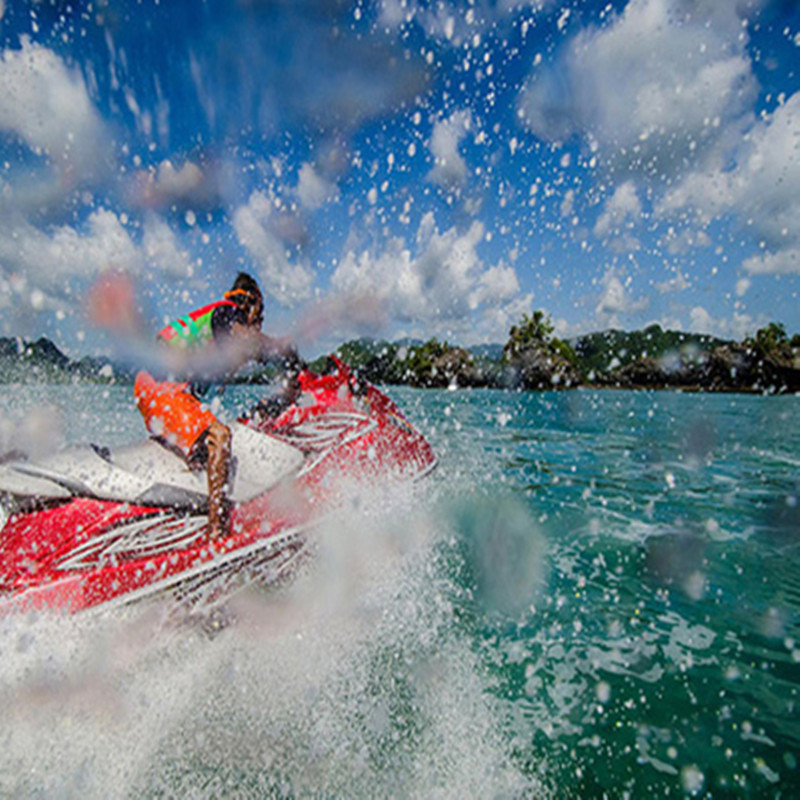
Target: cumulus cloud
[440,282]
[450,169]
[47,267]
[651,91]
[622,210]
[162,249]
[757,181]
[313,189]
[289,283]
[678,283]
[497,285]
[50,258]
[784,262]
[664,95]
[186,186]
[46,105]
[616,299]
[678,242]
[47,270]
[736,327]
[700,320]
[392,13]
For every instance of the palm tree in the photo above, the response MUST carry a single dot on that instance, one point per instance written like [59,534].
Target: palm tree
[533,329]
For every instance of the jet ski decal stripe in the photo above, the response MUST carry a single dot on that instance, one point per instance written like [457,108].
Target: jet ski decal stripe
[224,566]
[144,537]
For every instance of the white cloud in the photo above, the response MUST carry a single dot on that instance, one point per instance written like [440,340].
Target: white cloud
[679,242]
[784,262]
[736,327]
[46,105]
[49,260]
[439,283]
[46,269]
[678,283]
[41,270]
[186,186]
[625,243]
[392,13]
[20,300]
[568,330]
[568,203]
[450,169]
[652,91]
[287,282]
[700,320]
[760,188]
[313,190]
[622,210]
[162,250]
[496,285]
[664,95]
[181,182]
[616,299]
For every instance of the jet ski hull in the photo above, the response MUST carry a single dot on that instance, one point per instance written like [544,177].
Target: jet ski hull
[91,530]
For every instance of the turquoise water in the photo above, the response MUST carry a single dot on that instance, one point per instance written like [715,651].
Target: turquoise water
[662,653]
[596,594]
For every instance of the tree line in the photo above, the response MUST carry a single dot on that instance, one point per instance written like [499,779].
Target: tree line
[533,358]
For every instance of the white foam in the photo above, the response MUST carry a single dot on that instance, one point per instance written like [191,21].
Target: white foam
[352,680]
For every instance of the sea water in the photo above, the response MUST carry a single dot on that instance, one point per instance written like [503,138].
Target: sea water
[596,594]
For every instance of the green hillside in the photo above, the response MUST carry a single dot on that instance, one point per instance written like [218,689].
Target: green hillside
[608,350]
[42,362]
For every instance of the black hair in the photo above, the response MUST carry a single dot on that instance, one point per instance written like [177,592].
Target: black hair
[247,284]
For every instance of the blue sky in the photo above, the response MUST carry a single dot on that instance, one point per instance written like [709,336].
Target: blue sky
[402,168]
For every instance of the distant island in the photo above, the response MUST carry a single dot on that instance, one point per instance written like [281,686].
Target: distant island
[536,360]
[532,359]
[42,362]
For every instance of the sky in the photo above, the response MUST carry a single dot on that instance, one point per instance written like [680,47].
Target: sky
[400,168]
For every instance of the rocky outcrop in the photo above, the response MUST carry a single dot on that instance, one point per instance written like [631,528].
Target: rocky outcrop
[436,365]
[42,361]
[457,367]
[536,367]
[646,373]
[742,368]
[728,368]
[535,359]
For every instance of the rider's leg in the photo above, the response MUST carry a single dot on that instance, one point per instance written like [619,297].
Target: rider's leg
[218,469]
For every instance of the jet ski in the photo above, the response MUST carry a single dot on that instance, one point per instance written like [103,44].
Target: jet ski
[90,528]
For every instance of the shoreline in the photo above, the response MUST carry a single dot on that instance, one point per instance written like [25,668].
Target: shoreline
[688,389]
[768,364]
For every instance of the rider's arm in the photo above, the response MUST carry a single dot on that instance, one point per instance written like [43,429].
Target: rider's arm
[268,349]
[243,342]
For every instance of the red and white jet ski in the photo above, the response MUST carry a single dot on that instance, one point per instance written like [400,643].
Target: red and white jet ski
[89,527]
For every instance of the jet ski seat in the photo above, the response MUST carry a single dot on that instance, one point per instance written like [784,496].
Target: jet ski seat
[150,473]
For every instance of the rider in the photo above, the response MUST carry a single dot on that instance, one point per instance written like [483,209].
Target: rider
[225,334]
